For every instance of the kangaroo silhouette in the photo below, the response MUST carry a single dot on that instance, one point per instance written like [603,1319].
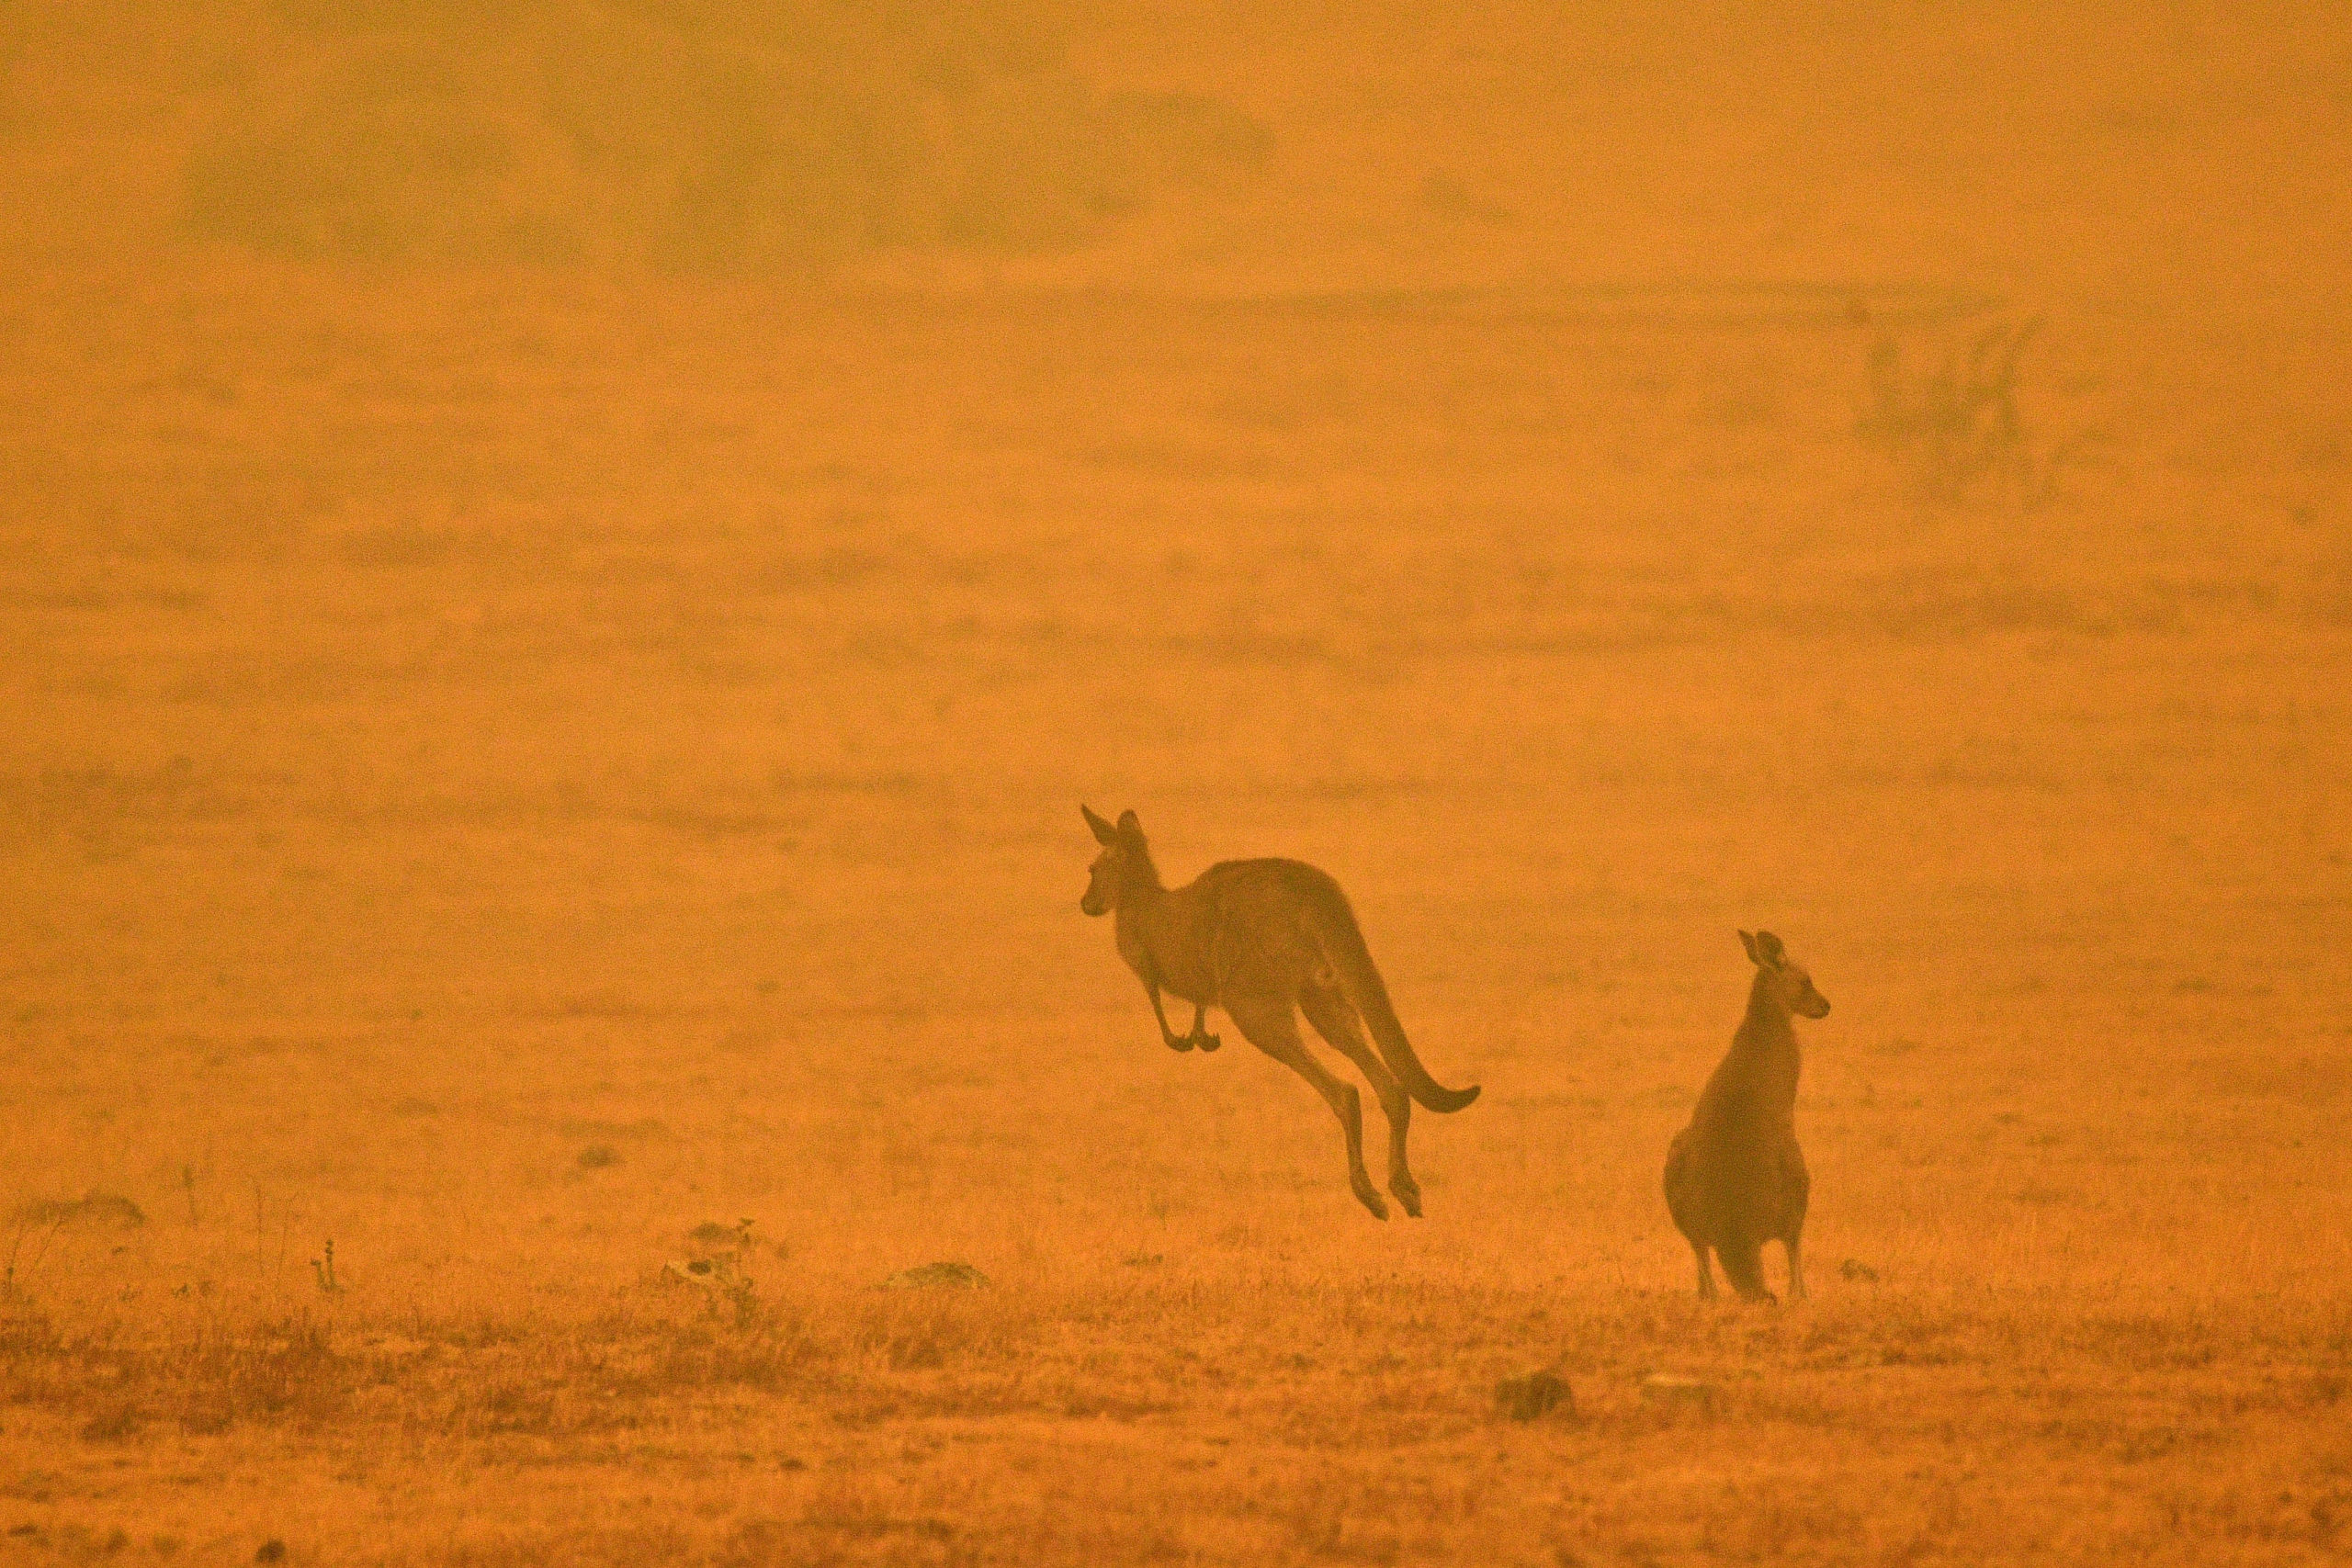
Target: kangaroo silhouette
[1263,940]
[1734,1178]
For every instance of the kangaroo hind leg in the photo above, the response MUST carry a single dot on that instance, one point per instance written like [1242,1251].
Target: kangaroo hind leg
[1336,1021]
[1797,1184]
[1706,1274]
[1269,1024]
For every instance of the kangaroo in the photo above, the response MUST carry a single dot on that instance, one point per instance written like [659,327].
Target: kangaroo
[1734,1178]
[1260,938]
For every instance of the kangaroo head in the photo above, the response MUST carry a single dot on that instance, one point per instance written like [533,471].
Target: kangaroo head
[1123,855]
[1790,987]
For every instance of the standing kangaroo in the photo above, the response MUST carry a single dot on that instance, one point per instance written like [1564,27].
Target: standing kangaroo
[1260,938]
[1734,1178]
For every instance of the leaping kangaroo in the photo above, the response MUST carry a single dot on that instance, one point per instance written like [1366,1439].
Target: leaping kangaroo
[1734,1178]
[1260,938]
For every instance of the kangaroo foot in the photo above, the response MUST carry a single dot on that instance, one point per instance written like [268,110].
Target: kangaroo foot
[1409,1193]
[1371,1198]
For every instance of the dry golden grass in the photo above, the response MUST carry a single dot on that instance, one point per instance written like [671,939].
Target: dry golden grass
[520,774]
[373,871]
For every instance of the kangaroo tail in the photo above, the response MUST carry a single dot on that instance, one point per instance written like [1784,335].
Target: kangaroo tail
[1744,1267]
[1341,939]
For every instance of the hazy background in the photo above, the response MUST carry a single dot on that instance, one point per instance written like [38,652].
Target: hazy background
[564,577]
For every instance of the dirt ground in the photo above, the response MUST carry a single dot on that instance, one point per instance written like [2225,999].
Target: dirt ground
[562,787]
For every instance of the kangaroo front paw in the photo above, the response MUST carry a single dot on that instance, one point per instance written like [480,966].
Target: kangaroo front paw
[1372,1200]
[1208,1042]
[1175,1044]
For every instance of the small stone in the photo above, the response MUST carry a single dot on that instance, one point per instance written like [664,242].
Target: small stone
[271,1551]
[1536,1394]
[1854,1268]
[937,1276]
[715,1274]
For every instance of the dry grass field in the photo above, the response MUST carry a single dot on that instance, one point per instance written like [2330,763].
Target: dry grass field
[519,779]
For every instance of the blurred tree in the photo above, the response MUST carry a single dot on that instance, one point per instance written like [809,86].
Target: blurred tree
[689,134]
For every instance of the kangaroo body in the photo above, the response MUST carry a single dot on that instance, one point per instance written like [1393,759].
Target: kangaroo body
[1265,940]
[1736,1177]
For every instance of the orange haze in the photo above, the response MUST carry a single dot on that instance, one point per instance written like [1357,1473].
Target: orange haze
[566,576]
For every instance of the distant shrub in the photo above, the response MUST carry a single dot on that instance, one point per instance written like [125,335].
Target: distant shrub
[94,1208]
[1950,414]
[1956,423]
[687,134]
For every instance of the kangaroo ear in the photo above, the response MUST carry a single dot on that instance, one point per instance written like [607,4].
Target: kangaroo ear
[1104,832]
[1768,951]
[1130,825]
[1748,943]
